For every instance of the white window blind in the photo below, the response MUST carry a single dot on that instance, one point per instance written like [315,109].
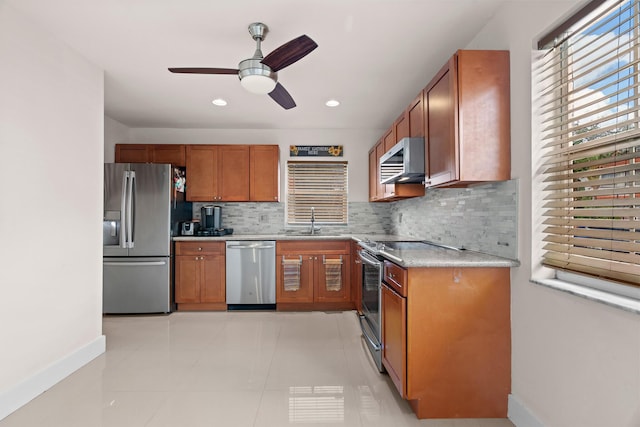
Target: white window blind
[587,84]
[321,185]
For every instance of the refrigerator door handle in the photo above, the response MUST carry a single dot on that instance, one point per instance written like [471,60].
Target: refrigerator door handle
[130,200]
[123,204]
[134,264]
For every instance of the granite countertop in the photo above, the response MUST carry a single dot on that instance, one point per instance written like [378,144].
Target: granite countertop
[434,256]
[431,256]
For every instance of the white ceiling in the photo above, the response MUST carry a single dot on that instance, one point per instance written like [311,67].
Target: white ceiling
[373,56]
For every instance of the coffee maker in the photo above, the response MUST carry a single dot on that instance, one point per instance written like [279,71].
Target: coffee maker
[211,217]
[211,222]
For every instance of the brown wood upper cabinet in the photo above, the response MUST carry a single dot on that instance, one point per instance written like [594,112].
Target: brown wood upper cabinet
[409,124]
[218,173]
[467,120]
[151,153]
[237,173]
[264,173]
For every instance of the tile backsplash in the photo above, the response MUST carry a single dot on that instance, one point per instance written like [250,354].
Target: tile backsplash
[269,218]
[481,218]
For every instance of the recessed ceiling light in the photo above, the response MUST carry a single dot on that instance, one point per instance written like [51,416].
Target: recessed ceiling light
[332,103]
[219,102]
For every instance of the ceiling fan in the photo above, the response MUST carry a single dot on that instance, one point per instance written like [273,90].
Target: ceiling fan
[259,74]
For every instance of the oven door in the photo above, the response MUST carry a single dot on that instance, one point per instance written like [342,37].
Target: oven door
[370,321]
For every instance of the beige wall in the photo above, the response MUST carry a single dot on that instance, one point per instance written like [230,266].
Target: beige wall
[51,149]
[575,362]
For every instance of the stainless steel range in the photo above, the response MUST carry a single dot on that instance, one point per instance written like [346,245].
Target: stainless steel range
[372,266]
[372,255]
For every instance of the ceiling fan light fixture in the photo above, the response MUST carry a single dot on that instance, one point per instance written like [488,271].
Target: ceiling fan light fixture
[258,84]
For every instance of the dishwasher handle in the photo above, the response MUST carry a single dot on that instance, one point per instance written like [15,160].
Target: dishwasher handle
[252,246]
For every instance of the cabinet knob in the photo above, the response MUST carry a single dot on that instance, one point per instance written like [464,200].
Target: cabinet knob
[196,258]
[199,249]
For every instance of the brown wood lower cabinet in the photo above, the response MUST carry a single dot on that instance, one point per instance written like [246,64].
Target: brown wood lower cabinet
[200,276]
[313,275]
[447,341]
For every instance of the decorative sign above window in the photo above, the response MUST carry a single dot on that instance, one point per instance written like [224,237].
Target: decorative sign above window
[315,150]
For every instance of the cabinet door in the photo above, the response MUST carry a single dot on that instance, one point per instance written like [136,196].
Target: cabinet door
[187,287]
[331,278]
[294,279]
[233,162]
[441,135]
[202,177]
[264,167]
[382,189]
[394,338]
[415,113]
[133,153]
[356,277]
[373,175]
[401,127]
[212,284]
[389,139]
[170,153]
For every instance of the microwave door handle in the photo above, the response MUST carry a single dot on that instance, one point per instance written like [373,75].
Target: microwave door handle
[130,207]
[123,211]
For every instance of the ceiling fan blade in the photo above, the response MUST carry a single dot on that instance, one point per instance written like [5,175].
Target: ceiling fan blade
[289,53]
[282,97]
[204,70]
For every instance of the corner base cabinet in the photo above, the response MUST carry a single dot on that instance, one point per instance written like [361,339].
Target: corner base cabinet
[447,340]
[200,276]
[313,275]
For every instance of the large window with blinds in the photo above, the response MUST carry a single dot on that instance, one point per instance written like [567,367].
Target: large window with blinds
[587,80]
[318,185]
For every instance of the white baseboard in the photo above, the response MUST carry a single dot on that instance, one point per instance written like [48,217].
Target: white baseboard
[520,415]
[23,393]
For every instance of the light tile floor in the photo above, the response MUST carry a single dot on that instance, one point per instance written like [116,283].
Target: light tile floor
[230,369]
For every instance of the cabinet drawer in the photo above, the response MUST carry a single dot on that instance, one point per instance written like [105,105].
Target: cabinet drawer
[396,277]
[199,248]
[303,247]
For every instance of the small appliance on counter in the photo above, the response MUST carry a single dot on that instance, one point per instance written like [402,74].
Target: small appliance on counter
[211,222]
[189,228]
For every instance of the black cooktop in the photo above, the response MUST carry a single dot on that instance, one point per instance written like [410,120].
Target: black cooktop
[390,246]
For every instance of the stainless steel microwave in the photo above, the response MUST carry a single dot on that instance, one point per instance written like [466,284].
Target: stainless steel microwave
[404,162]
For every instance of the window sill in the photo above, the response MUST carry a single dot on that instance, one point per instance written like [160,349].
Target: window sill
[618,301]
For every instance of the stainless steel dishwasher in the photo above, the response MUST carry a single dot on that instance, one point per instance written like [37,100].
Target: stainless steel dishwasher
[251,274]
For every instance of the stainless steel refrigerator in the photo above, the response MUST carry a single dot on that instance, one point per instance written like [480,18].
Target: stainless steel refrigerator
[141,214]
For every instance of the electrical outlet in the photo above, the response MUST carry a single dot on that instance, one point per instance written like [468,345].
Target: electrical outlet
[400,218]
[264,218]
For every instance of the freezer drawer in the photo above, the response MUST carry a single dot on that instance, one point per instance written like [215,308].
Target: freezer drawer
[136,285]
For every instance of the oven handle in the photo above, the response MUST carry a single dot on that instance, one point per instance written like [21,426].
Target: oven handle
[368,259]
[375,346]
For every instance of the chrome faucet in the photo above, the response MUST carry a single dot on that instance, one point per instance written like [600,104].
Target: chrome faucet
[313,220]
